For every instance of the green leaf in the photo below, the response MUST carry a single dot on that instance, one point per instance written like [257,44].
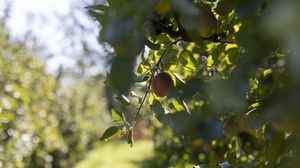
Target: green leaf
[231,156]
[178,78]
[143,67]
[267,72]
[130,139]
[210,61]
[118,117]
[111,131]
[121,74]
[151,45]
[178,106]
[163,38]
[232,56]
[184,7]
[113,3]
[98,16]
[192,87]
[158,109]
[143,77]
[123,131]
[225,7]
[188,60]
[276,146]
[170,57]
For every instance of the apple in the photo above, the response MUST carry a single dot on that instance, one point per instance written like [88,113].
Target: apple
[161,83]
[208,23]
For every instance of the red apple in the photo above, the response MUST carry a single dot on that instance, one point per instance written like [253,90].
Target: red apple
[161,83]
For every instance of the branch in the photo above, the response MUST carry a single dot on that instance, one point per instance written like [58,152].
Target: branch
[149,85]
[143,100]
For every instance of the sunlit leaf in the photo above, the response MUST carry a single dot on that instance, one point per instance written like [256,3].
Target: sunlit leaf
[188,60]
[267,72]
[118,117]
[232,56]
[163,38]
[177,105]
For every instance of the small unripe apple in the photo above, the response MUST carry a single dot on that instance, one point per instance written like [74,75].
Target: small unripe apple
[161,83]
[208,23]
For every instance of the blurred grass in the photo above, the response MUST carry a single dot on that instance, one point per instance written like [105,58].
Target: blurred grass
[119,154]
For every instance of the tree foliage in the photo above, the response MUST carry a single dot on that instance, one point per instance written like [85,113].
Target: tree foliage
[44,122]
[234,103]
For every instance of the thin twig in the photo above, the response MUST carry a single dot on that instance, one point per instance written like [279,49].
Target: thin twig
[143,100]
[149,85]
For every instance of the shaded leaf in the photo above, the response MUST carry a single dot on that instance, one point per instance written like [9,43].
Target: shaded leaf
[130,139]
[211,129]
[170,57]
[163,38]
[192,87]
[225,7]
[111,131]
[143,77]
[97,16]
[151,45]
[122,74]
[231,156]
[158,109]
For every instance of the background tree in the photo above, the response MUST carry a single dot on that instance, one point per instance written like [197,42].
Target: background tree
[45,122]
